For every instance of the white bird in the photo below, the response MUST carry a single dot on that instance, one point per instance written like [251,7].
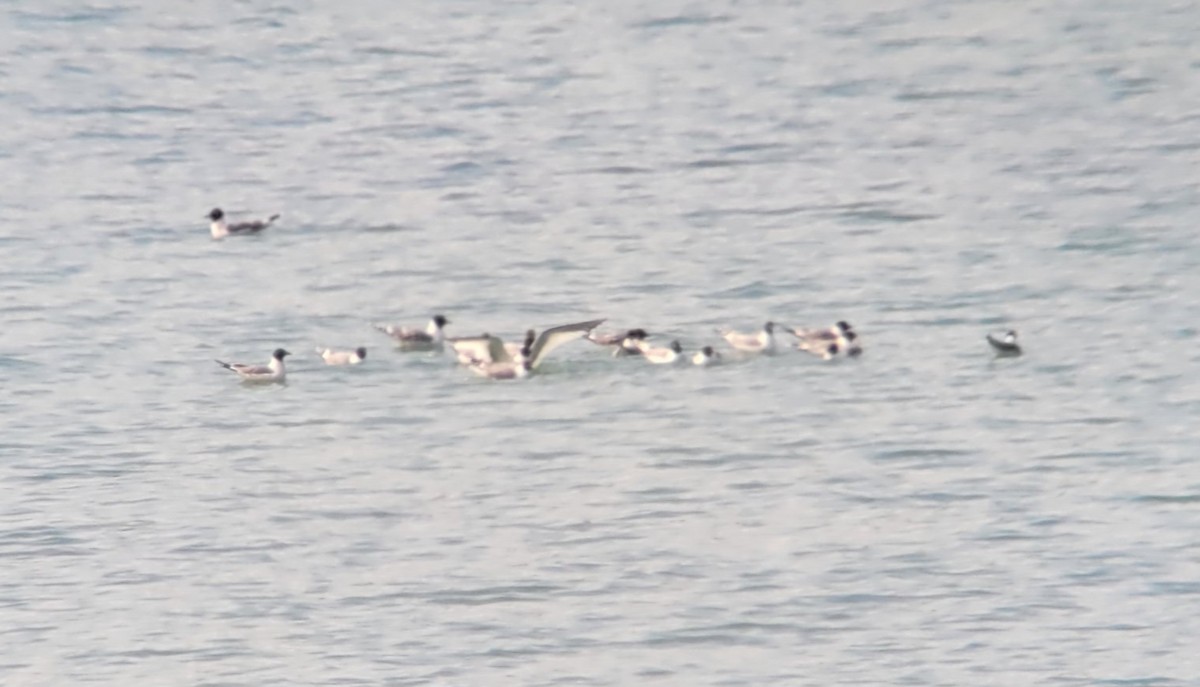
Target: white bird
[662,356]
[501,365]
[837,330]
[406,339]
[271,372]
[825,350]
[622,343]
[829,342]
[220,228]
[706,357]
[758,342]
[1006,345]
[471,349]
[332,357]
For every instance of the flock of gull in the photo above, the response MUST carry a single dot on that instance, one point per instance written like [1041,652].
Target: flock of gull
[491,357]
[494,358]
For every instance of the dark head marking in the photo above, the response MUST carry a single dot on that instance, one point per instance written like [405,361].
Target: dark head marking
[279,354]
[843,325]
[361,352]
[833,349]
[216,214]
[707,350]
[850,336]
[530,336]
[676,347]
[769,327]
[635,334]
[440,321]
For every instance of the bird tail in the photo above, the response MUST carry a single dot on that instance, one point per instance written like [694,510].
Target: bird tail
[224,364]
[272,218]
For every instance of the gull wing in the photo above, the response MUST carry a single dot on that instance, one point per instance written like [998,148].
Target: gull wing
[554,337]
[497,350]
[472,347]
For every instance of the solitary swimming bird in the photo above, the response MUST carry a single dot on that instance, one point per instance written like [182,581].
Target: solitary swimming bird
[627,343]
[758,342]
[1005,345]
[662,356]
[429,339]
[332,357]
[271,372]
[706,357]
[221,228]
[501,365]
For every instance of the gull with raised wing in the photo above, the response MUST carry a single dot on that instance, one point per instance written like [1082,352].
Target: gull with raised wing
[429,339]
[757,342]
[271,372]
[501,365]
[220,227]
[472,349]
[334,357]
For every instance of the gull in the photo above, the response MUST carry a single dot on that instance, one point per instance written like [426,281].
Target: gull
[332,357]
[1005,345]
[758,342]
[662,356]
[841,336]
[706,357]
[501,365]
[826,349]
[271,372]
[221,228]
[470,349]
[837,330]
[407,339]
[623,344]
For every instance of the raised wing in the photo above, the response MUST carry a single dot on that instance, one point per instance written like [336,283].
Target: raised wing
[497,350]
[554,337]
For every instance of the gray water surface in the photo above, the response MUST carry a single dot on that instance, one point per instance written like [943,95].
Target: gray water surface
[925,515]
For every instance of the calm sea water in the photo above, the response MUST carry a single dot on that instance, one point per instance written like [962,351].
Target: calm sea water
[926,515]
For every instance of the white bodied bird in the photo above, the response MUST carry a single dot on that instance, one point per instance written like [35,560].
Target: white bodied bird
[472,349]
[622,343]
[429,339]
[1006,344]
[221,228]
[706,357]
[662,356]
[271,372]
[839,339]
[758,342]
[332,357]
[501,365]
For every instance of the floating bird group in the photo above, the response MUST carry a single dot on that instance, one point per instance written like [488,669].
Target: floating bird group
[493,358]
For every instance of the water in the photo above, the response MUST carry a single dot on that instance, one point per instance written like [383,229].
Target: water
[929,171]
